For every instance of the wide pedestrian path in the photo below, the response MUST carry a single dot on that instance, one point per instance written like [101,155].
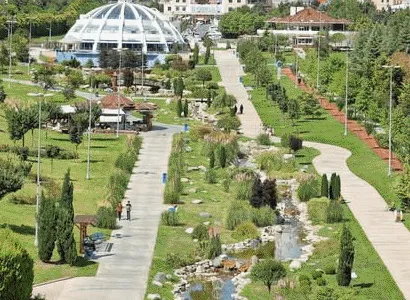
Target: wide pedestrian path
[123,273]
[391,240]
[231,70]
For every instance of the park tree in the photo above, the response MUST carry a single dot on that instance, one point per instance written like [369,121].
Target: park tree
[195,56]
[269,193]
[309,105]
[128,77]
[46,228]
[52,152]
[16,123]
[186,108]
[68,93]
[76,129]
[228,123]
[346,258]
[20,47]
[324,186]
[222,156]
[65,223]
[211,159]
[207,53]
[179,108]
[256,199]
[332,187]
[263,75]
[179,87]
[293,110]
[4,57]
[75,78]
[203,75]
[268,271]
[403,188]
[12,175]
[3,94]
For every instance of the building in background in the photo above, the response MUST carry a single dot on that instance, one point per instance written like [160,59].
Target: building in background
[120,25]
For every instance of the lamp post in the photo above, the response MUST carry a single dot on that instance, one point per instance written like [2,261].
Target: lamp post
[38,192]
[142,72]
[49,35]
[10,37]
[391,67]
[89,142]
[346,88]
[29,41]
[119,92]
[318,51]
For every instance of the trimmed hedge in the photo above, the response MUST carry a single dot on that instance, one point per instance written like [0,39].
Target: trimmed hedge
[317,209]
[16,269]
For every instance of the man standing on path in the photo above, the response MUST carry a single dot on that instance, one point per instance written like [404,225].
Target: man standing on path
[128,209]
[119,210]
[241,109]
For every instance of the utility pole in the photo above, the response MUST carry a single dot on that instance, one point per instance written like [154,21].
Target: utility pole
[318,51]
[119,94]
[142,73]
[10,37]
[29,42]
[89,142]
[346,88]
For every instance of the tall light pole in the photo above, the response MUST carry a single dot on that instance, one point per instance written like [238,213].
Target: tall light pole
[29,42]
[49,36]
[346,88]
[318,51]
[38,192]
[391,67]
[296,69]
[142,73]
[10,37]
[119,93]
[89,142]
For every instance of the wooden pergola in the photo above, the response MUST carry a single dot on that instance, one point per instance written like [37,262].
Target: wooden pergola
[82,222]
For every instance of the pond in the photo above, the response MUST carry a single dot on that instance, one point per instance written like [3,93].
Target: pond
[220,289]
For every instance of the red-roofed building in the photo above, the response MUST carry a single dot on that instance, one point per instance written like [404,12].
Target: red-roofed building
[303,25]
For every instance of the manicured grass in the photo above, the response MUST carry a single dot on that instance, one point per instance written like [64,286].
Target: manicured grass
[17,72]
[363,162]
[211,60]
[88,194]
[373,282]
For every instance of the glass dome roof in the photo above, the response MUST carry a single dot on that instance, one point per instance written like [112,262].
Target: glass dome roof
[123,25]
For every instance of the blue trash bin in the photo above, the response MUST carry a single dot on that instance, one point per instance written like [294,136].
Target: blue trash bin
[164,177]
[240,79]
[186,127]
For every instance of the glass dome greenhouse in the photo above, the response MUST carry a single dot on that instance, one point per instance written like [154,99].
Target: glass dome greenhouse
[119,25]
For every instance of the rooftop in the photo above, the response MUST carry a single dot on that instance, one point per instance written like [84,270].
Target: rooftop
[112,101]
[309,16]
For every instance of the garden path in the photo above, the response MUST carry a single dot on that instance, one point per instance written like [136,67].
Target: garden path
[123,273]
[390,239]
[231,70]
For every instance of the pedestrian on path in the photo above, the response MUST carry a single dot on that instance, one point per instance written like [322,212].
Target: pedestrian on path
[241,109]
[235,109]
[128,207]
[118,209]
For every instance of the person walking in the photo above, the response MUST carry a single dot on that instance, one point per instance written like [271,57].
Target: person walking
[241,109]
[235,109]
[128,207]
[118,209]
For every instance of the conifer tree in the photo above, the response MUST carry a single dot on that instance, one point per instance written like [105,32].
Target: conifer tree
[256,199]
[179,108]
[269,194]
[222,157]
[337,187]
[186,108]
[332,186]
[65,223]
[195,55]
[46,228]
[346,258]
[207,54]
[212,159]
[325,186]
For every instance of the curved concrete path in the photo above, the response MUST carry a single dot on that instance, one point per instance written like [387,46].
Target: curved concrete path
[391,240]
[123,273]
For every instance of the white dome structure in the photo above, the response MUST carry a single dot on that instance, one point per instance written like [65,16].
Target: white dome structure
[121,25]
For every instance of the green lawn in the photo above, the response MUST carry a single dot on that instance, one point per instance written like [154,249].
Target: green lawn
[88,194]
[363,162]
[373,282]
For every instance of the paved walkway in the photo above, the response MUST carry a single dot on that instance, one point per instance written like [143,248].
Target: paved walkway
[123,274]
[231,70]
[391,240]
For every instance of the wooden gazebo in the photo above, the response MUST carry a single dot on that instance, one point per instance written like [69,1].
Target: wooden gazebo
[146,109]
[82,222]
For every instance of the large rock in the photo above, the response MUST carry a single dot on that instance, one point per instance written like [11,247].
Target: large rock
[154,296]
[184,179]
[160,277]
[196,201]
[205,215]
[159,284]
[287,156]
[189,230]
[254,260]
[216,262]
[295,265]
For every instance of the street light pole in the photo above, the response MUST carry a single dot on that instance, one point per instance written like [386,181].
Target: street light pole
[38,196]
[318,51]
[10,37]
[118,94]
[346,88]
[29,41]
[89,143]
[142,72]
[391,67]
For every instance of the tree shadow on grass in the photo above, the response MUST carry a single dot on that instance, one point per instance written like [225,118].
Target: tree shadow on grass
[364,285]
[104,139]
[98,147]
[299,155]
[22,229]
[83,262]
[92,161]
[60,139]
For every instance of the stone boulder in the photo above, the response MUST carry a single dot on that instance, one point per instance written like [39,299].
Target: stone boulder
[205,215]
[295,265]
[160,277]
[196,201]
[189,230]
[154,297]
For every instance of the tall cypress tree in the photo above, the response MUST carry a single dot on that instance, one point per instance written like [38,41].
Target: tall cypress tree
[269,195]
[179,108]
[65,223]
[325,186]
[46,228]
[256,199]
[337,187]
[212,159]
[186,108]
[332,186]
[195,55]
[207,54]
[346,258]
[222,157]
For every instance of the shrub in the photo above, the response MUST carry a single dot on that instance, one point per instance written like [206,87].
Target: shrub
[199,131]
[16,269]
[264,216]
[22,153]
[170,218]
[330,269]
[178,260]
[304,277]
[268,271]
[214,247]
[237,213]
[317,209]
[270,160]
[369,127]
[226,183]
[295,143]
[307,190]
[346,258]
[228,123]
[316,274]
[263,139]
[212,159]
[46,228]
[12,175]
[285,140]
[246,230]
[244,189]
[67,155]
[170,195]
[382,140]
[334,212]
[264,251]
[23,199]
[321,281]
[210,176]
[106,217]
[117,186]
[222,156]
[200,232]
[125,162]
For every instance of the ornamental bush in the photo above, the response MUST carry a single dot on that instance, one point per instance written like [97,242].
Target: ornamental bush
[262,217]
[324,186]
[200,232]
[46,228]
[334,212]
[16,269]
[170,218]
[214,247]
[210,176]
[307,190]
[263,139]
[317,209]
[246,230]
[106,217]
[268,272]
[237,213]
